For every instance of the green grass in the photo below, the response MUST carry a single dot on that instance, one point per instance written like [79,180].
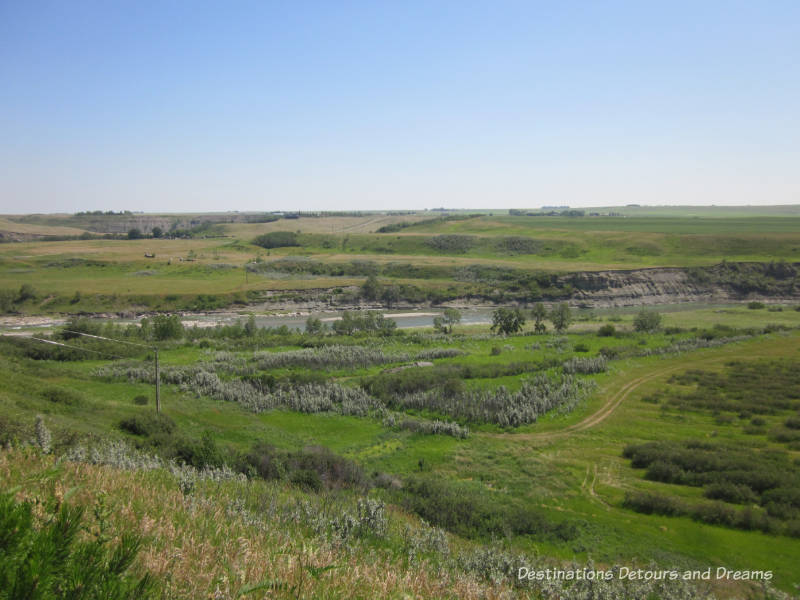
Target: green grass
[115,275]
[578,476]
[558,466]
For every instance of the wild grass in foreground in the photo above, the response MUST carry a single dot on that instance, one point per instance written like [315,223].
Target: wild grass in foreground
[229,537]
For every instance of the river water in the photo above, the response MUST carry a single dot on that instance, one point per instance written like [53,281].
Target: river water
[404,318]
[293,320]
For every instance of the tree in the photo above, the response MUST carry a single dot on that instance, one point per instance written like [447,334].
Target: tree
[507,320]
[166,327]
[647,321]
[7,298]
[561,316]
[444,323]
[539,314]
[390,295]
[250,327]
[157,232]
[346,325]
[26,292]
[134,233]
[313,325]
[370,289]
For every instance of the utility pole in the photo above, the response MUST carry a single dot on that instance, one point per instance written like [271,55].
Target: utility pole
[158,384]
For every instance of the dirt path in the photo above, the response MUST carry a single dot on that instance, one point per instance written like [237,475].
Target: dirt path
[616,398]
[597,417]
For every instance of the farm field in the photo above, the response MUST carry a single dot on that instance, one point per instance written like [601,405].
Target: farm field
[424,258]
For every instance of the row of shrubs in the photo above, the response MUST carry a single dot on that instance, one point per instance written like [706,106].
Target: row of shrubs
[758,387]
[258,396]
[314,467]
[535,397]
[435,427]
[406,389]
[713,513]
[447,378]
[731,474]
[587,366]
[334,356]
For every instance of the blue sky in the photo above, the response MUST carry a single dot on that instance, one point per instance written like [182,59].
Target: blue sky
[180,106]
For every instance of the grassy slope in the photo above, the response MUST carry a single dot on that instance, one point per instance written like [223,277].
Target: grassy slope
[580,476]
[202,545]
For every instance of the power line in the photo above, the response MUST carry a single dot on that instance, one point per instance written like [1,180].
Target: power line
[153,348]
[64,345]
[100,337]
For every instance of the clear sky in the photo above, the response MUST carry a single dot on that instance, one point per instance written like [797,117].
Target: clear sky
[234,105]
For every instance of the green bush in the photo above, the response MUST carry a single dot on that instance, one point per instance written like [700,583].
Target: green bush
[140,400]
[148,424]
[197,453]
[167,327]
[313,467]
[651,503]
[607,330]
[54,561]
[465,511]
[647,321]
[62,396]
[452,244]
[26,292]
[755,305]
[307,479]
[730,492]
[277,239]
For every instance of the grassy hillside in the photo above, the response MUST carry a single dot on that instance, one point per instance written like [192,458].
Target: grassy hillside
[556,487]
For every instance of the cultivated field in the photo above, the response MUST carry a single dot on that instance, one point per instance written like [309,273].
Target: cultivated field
[423,257]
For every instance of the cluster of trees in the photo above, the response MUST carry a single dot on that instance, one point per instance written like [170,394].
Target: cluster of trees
[363,321]
[511,320]
[98,213]
[9,298]
[372,289]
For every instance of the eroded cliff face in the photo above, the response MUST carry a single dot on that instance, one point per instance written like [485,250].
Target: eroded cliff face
[721,283]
